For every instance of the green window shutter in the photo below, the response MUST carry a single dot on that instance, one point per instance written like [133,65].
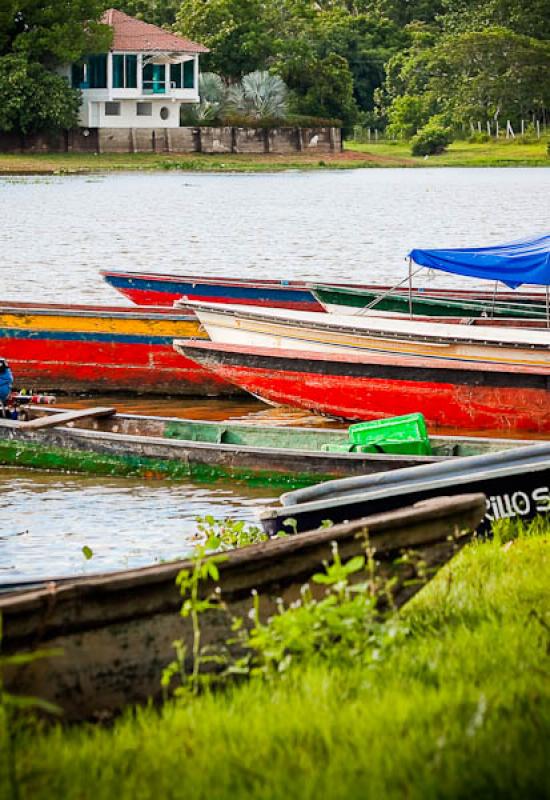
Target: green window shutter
[118,71]
[175,75]
[189,75]
[131,72]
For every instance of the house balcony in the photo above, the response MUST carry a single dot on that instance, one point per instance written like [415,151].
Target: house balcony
[142,93]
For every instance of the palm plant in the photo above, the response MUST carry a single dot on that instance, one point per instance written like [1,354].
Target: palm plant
[259,95]
[212,92]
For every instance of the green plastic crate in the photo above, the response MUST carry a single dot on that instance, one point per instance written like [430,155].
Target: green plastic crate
[413,447]
[405,434]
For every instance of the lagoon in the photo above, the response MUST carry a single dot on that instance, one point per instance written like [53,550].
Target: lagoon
[57,232]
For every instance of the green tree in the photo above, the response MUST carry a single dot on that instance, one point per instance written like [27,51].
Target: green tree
[156,12]
[32,98]
[36,36]
[524,17]
[236,32]
[330,91]
[467,75]
[50,32]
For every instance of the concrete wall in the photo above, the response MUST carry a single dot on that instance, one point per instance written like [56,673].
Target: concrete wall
[178,140]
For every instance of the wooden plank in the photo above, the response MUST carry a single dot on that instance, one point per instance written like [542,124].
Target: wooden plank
[67,416]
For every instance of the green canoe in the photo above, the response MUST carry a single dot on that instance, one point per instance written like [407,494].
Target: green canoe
[334,298]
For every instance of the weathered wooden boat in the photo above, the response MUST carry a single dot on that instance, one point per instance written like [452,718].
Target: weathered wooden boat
[516,483]
[102,349]
[116,631]
[163,290]
[102,442]
[381,302]
[332,334]
[151,289]
[449,393]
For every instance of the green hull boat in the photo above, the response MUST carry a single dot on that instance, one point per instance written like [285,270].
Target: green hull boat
[348,300]
[101,442]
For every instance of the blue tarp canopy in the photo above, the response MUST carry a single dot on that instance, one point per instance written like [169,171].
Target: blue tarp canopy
[526,261]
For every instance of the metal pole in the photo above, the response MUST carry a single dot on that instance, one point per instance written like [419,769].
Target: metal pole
[410,289]
[388,292]
[494,298]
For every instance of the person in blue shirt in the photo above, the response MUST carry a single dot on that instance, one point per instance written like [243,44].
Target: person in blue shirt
[6,381]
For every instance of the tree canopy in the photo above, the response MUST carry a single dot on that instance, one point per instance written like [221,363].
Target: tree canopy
[36,36]
[402,63]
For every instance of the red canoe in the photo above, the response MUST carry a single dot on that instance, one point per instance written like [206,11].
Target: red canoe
[99,349]
[458,395]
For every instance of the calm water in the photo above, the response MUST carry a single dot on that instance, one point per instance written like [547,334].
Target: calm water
[56,233]
[47,519]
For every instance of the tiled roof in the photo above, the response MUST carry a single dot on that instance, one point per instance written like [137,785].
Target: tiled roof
[133,35]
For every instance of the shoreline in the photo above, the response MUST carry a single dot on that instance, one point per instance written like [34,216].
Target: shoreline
[355,156]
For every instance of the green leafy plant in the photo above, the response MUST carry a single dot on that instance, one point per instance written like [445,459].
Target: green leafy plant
[259,95]
[228,533]
[340,626]
[195,603]
[432,139]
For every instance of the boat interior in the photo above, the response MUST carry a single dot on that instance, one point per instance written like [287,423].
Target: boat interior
[248,434]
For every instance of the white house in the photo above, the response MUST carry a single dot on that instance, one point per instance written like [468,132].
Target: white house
[142,81]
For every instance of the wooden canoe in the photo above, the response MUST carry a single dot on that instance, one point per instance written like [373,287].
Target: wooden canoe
[79,348]
[516,483]
[450,394]
[116,631]
[332,334]
[163,447]
[154,289]
[349,300]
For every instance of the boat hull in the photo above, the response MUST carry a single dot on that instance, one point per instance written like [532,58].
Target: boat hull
[465,397]
[164,447]
[164,290]
[345,300]
[312,333]
[516,484]
[116,632]
[104,350]
[150,289]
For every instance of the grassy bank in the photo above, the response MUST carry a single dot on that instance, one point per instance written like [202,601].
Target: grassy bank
[457,708]
[355,155]
[463,154]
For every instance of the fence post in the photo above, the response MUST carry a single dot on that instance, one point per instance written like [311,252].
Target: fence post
[376,134]
[538,129]
[523,127]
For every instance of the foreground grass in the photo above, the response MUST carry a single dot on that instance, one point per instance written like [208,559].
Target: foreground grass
[459,709]
[355,155]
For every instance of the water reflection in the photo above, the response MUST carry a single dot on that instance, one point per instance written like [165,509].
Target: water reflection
[46,520]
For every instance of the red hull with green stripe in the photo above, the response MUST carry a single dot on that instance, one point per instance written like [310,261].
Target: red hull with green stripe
[462,396]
